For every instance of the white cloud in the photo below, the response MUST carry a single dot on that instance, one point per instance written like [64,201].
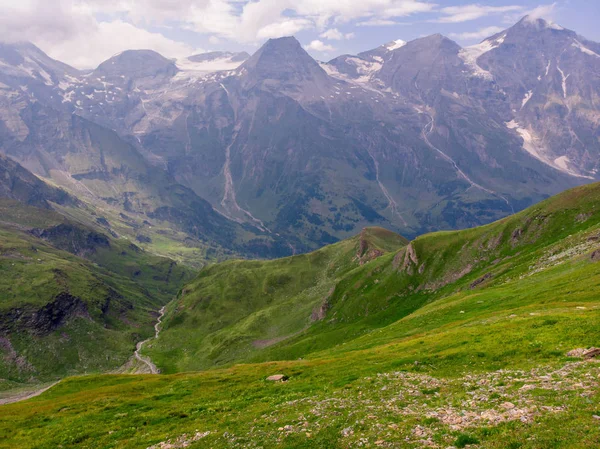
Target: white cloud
[334,34]
[109,38]
[283,28]
[543,12]
[68,31]
[479,34]
[464,13]
[319,46]
[547,12]
[376,23]
[73,29]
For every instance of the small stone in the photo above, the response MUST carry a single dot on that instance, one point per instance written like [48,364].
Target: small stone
[277,378]
[595,416]
[347,432]
[508,405]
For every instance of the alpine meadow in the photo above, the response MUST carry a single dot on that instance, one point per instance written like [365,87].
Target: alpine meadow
[299,242]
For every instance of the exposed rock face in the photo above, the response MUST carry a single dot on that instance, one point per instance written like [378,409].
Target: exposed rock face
[584,353]
[480,281]
[19,184]
[74,239]
[366,252]
[406,260]
[320,311]
[46,319]
[136,65]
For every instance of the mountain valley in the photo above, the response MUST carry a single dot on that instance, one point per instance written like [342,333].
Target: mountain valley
[398,248]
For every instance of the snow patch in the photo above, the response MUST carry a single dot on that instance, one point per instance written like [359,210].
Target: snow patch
[364,68]
[471,54]
[527,97]
[562,162]
[533,145]
[395,45]
[584,49]
[564,80]
[190,68]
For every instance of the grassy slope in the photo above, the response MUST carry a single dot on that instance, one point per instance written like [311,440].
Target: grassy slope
[120,285]
[239,307]
[258,311]
[440,363]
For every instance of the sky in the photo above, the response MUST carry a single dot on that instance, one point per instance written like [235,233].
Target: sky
[83,33]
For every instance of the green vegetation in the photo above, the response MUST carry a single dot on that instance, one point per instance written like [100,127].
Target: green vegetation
[249,311]
[238,308]
[73,300]
[457,339]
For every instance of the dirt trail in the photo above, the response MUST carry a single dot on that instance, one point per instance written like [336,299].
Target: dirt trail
[140,345]
[24,395]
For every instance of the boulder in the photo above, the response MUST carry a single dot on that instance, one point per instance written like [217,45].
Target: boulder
[591,353]
[584,353]
[277,378]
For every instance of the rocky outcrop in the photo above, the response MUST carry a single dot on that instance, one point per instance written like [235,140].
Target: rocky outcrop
[73,239]
[45,319]
[366,252]
[480,281]
[406,260]
[320,311]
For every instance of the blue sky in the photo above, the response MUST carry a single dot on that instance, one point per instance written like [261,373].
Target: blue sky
[86,32]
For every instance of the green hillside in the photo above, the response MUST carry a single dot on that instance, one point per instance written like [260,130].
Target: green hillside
[285,309]
[457,339]
[239,308]
[73,299]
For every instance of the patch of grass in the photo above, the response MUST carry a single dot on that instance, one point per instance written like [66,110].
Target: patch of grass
[464,440]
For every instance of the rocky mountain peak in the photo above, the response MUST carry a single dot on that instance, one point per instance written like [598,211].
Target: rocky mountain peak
[24,59]
[538,23]
[136,64]
[283,59]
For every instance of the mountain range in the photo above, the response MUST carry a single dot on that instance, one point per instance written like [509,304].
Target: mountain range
[145,204]
[277,153]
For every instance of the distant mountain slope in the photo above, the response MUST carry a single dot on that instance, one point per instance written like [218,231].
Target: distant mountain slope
[412,136]
[103,170]
[19,184]
[290,308]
